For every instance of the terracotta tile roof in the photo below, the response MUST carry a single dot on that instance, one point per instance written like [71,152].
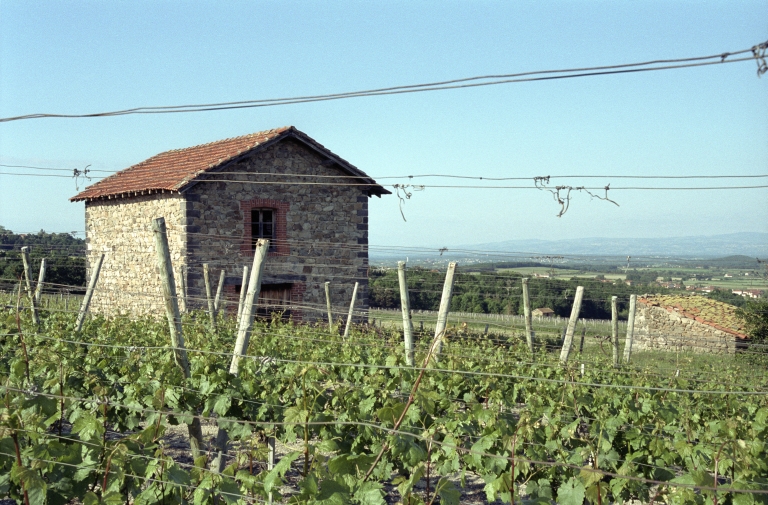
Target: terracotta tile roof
[719,315]
[174,170]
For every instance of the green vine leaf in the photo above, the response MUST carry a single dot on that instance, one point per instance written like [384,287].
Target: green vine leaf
[571,492]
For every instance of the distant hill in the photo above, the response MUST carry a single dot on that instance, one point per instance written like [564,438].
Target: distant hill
[732,244]
[729,250]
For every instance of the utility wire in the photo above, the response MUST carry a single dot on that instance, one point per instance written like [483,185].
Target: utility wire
[757,54]
[414,176]
[53,168]
[443,186]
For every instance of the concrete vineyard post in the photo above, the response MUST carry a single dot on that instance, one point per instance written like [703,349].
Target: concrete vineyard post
[243,288]
[405,305]
[28,277]
[40,279]
[568,342]
[174,322]
[243,337]
[219,289]
[527,315]
[445,306]
[615,330]
[328,303]
[630,328]
[89,294]
[209,296]
[351,308]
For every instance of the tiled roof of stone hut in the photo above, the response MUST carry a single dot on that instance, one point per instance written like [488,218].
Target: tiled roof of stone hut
[719,315]
[172,171]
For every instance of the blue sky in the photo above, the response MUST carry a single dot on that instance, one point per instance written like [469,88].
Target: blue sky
[95,56]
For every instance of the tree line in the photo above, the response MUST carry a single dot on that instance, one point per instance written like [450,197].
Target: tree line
[501,293]
[64,252]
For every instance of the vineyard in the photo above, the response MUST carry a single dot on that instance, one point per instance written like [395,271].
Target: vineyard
[98,414]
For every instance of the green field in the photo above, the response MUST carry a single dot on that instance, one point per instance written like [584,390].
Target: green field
[737,281]
[512,326]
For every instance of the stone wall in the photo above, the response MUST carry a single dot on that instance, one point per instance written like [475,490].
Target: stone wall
[322,229]
[322,235]
[658,328]
[129,282]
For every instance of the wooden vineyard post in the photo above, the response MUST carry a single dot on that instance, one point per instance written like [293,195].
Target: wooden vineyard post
[243,288]
[243,336]
[583,334]
[630,328]
[174,322]
[527,314]
[445,306]
[89,294]
[568,343]
[219,289]
[17,298]
[328,303]
[271,460]
[351,308]
[615,330]
[183,288]
[209,296]
[405,305]
[28,277]
[254,287]
[40,279]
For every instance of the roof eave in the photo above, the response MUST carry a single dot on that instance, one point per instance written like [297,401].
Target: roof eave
[122,195]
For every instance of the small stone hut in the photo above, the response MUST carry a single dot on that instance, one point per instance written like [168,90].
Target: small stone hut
[217,199]
[543,312]
[687,323]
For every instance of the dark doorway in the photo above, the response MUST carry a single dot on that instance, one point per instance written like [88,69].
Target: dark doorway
[273,298]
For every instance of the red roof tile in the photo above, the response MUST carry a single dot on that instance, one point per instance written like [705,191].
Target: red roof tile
[174,170]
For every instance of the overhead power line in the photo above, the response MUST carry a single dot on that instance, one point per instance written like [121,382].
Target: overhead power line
[56,169]
[444,186]
[415,176]
[756,53]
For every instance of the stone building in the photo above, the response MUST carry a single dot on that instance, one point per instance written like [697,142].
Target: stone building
[687,323]
[217,199]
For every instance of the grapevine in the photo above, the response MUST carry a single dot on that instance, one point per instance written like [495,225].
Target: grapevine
[88,415]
